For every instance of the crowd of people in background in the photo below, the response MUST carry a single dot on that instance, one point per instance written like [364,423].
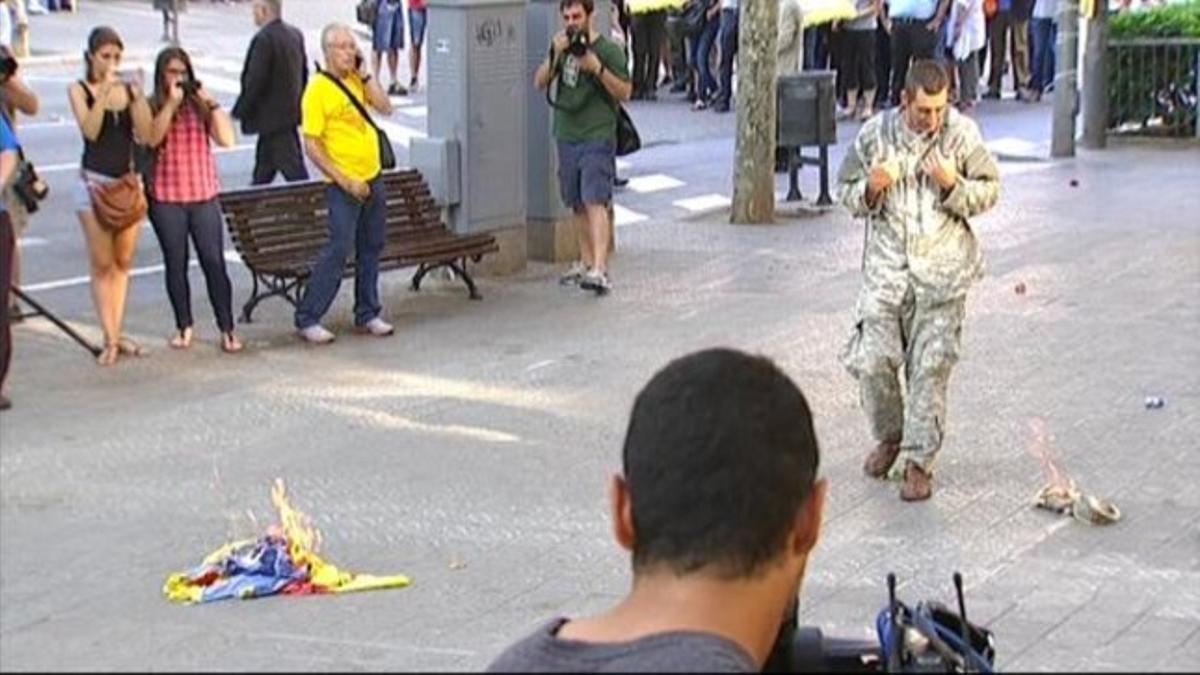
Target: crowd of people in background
[691,47]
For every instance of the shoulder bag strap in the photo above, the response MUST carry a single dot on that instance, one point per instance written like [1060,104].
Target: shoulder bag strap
[357,106]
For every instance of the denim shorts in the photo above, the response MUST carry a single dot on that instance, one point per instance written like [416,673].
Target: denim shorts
[416,25]
[83,196]
[388,33]
[586,171]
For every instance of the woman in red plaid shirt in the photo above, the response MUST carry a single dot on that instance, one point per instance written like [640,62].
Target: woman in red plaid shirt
[183,192]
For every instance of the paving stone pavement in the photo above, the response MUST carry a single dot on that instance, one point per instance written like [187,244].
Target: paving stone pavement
[471,450]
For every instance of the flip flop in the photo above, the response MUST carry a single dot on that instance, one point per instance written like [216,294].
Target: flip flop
[128,347]
[230,344]
[109,355]
[181,339]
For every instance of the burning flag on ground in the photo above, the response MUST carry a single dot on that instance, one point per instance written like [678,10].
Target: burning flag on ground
[285,561]
[1060,493]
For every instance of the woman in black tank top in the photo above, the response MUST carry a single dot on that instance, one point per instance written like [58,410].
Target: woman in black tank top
[113,115]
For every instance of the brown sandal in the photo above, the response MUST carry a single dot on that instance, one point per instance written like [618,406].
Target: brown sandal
[128,347]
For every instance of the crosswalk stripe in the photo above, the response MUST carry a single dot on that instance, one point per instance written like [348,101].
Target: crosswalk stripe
[398,133]
[654,183]
[707,202]
[623,216]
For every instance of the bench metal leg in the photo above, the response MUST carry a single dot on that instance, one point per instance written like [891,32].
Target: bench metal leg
[458,268]
[422,270]
[288,290]
[461,270]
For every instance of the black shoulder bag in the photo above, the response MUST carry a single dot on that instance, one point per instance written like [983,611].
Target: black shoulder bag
[387,156]
[628,140]
[26,184]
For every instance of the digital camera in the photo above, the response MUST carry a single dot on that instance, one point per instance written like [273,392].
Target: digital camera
[577,42]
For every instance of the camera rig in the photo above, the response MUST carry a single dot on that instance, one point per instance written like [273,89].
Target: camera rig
[927,638]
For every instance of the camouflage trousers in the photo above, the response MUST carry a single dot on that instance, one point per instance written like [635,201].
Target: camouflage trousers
[924,340]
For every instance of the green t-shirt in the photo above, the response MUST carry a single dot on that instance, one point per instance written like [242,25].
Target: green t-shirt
[589,114]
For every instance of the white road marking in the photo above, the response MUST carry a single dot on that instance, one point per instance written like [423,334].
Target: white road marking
[623,164]
[703,203]
[654,183]
[230,256]
[623,216]
[74,166]
[398,133]
[415,111]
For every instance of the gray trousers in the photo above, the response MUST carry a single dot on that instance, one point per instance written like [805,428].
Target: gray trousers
[925,341]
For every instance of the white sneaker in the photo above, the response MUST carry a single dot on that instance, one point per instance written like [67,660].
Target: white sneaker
[596,282]
[574,274]
[36,8]
[316,334]
[377,327]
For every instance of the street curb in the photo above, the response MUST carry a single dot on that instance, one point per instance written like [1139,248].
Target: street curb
[52,60]
[76,58]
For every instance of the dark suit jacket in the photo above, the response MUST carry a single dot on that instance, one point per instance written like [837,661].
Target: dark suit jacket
[273,80]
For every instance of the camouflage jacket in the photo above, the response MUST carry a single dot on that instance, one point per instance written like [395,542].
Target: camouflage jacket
[918,233]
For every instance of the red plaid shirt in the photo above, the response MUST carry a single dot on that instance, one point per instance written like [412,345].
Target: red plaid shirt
[185,170]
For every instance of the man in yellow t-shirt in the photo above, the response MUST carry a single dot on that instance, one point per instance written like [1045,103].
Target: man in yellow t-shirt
[344,145]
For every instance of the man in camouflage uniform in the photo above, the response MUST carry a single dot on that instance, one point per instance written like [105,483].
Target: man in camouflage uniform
[916,173]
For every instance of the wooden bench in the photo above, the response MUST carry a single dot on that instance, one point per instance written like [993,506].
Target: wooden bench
[279,229]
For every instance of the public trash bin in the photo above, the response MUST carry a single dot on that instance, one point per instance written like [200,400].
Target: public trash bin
[805,117]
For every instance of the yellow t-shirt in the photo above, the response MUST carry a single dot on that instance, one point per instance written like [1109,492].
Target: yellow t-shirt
[327,114]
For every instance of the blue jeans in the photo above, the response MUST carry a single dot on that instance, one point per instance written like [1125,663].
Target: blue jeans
[729,45]
[1042,35]
[352,224]
[706,84]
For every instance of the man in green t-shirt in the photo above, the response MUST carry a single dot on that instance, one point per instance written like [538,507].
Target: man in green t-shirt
[590,80]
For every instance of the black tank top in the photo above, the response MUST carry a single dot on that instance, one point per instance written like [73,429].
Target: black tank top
[111,153]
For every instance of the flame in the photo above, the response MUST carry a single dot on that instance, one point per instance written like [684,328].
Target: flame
[304,540]
[1039,447]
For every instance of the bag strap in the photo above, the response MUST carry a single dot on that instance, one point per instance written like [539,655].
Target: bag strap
[555,82]
[357,106]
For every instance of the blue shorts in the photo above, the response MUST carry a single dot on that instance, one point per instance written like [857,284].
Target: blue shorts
[586,171]
[388,31]
[416,26]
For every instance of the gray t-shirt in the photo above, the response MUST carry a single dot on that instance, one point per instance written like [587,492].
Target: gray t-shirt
[678,651]
[863,23]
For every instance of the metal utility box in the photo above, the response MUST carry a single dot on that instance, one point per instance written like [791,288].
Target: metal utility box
[806,103]
[476,96]
[438,161]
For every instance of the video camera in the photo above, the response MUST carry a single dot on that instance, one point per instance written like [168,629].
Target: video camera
[577,42]
[928,638]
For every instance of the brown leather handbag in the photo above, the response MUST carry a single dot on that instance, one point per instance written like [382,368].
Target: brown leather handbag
[119,204]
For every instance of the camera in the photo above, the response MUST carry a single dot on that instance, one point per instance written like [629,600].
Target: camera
[8,63]
[926,638]
[190,87]
[577,42]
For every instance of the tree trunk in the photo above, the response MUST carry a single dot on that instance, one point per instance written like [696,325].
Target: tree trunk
[754,153]
[1095,79]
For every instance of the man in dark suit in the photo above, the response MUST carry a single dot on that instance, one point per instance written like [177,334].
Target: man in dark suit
[273,79]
